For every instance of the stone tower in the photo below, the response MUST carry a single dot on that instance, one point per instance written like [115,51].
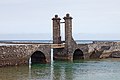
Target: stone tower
[68,32]
[65,53]
[56,30]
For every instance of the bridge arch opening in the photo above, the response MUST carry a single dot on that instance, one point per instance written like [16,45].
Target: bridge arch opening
[38,57]
[78,54]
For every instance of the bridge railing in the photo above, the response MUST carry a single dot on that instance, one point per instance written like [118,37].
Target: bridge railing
[57,45]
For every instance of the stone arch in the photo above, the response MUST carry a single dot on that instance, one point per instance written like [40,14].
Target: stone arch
[38,57]
[78,54]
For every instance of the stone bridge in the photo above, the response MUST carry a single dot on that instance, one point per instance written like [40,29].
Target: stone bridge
[19,53]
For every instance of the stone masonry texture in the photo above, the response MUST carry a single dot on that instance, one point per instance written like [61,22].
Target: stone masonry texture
[20,54]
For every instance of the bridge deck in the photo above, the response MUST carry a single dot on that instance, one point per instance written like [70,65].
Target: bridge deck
[57,45]
[25,43]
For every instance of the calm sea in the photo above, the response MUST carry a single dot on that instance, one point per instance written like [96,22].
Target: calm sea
[102,69]
[50,41]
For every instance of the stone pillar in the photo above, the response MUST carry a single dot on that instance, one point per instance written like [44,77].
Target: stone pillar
[56,30]
[68,36]
[56,35]
[68,30]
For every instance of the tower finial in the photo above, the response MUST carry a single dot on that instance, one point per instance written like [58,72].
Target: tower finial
[67,15]
[56,16]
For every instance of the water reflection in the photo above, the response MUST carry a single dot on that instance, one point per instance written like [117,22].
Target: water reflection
[108,69]
[41,72]
[14,73]
[62,71]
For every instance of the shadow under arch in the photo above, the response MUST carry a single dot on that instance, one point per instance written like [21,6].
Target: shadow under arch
[78,54]
[38,57]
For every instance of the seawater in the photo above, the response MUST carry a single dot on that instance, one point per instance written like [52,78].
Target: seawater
[99,69]
[103,69]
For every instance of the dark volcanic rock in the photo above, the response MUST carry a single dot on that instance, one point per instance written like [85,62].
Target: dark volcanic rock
[115,54]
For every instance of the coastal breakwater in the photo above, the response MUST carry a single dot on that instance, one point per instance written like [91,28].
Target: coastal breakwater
[101,49]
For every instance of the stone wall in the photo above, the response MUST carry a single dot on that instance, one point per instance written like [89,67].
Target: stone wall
[101,49]
[20,54]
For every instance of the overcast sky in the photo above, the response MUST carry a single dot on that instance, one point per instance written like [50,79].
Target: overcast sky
[34,16]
